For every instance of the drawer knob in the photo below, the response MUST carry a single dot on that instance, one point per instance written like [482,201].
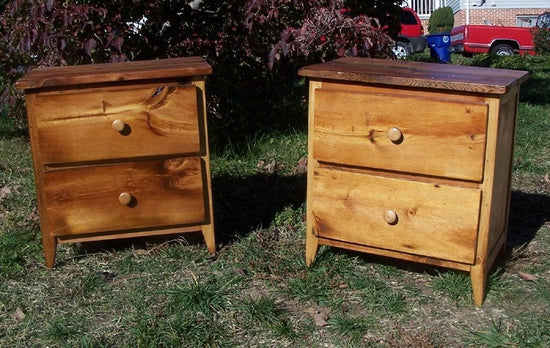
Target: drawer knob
[118,125]
[390,217]
[395,134]
[125,198]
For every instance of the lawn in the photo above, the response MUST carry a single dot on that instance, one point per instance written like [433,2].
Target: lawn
[257,291]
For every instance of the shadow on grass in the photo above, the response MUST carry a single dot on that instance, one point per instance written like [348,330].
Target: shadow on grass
[528,213]
[240,206]
[244,204]
[9,130]
[535,91]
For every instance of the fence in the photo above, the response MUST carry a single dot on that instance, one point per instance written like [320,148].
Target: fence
[424,8]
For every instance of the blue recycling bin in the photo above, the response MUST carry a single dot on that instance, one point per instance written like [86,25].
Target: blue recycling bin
[440,46]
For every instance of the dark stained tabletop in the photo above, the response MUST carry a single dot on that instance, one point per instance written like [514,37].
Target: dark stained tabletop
[417,74]
[114,72]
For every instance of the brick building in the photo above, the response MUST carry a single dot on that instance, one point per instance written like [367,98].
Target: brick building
[520,13]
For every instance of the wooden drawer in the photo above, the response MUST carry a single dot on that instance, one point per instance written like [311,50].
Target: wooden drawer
[163,193]
[432,137]
[81,126]
[431,220]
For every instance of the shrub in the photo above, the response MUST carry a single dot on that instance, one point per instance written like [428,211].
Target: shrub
[441,20]
[513,62]
[541,40]
[45,33]
[327,33]
[244,94]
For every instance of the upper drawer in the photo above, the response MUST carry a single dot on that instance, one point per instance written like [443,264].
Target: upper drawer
[416,135]
[413,217]
[128,196]
[108,124]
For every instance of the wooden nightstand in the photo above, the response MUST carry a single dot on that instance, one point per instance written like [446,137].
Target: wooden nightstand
[120,150]
[412,161]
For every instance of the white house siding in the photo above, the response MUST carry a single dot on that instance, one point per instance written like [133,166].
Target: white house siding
[495,12]
[457,5]
[529,4]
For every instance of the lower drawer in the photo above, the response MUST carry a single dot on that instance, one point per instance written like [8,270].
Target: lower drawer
[125,196]
[412,217]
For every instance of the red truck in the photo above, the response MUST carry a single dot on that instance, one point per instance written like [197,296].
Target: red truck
[411,38]
[499,40]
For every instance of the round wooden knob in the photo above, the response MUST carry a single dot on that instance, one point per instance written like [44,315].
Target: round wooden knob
[395,134]
[118,125]
[390,217]
[125,198]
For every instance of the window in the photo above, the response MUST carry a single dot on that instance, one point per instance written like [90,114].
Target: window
[407,18]
[526,20]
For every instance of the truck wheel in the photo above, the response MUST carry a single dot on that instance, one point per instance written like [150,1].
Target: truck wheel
[401,50]
[502,50]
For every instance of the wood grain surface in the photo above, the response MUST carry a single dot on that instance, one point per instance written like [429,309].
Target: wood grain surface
[440,138]
[86,199]
[134,71]
[417,74]
[432,220]
[77,127]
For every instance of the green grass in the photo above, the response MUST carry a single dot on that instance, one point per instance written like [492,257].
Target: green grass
[532,153]
[257,292]
[454,285]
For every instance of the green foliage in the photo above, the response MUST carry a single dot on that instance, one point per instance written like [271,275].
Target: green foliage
[441,20]
[541,40]
[513,62]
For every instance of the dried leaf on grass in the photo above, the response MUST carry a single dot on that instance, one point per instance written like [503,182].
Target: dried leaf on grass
[527,276]
[4,192]
[18,315]
[269,167]
[302,165]
[319,317]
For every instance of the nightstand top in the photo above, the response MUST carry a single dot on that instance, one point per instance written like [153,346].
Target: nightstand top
[417,74]
[74,75]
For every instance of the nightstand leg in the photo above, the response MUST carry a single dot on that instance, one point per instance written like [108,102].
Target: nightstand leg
[478,276]
[209,238]
[50,246]
[312,246]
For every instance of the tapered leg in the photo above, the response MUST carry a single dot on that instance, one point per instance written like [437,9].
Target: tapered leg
[209,238]
[478,276]
[50,246]
[312,246]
